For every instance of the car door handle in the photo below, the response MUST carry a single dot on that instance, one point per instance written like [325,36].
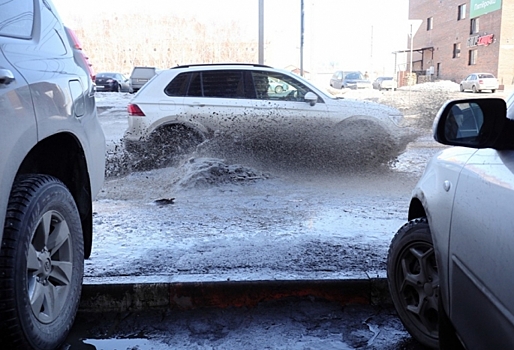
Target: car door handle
[197,104]
[6,76]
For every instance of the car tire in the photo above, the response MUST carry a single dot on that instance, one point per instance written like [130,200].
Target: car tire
[41,264]
[461,88]
[493,91]
[279,89]
[414,281]
[118,88]
[474,89]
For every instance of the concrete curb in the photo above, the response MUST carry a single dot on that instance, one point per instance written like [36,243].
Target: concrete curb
[122,297]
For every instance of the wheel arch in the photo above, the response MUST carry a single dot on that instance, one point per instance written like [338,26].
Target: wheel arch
[199,130]
[416,209]
[61,155]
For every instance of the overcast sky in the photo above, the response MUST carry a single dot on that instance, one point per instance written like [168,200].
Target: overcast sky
[345,34]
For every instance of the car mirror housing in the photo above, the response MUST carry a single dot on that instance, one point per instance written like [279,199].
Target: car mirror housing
[311,97]
[475,123]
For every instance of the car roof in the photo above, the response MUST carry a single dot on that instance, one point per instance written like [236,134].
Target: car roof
[220,65]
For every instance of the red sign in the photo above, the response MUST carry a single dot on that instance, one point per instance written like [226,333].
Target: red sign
[485,40]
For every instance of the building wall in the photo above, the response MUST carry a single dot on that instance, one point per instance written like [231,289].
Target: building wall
[448,30]
[506,59]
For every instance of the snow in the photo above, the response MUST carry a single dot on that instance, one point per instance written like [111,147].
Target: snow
[207,219]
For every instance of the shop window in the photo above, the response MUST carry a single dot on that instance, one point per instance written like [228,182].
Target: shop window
[473,57]
[461,12]
[474,26]
[430,23]
[456,50]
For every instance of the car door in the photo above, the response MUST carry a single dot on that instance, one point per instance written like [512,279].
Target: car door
[18,132]
[470,81]
[216,101]
[482,251]
[285,119]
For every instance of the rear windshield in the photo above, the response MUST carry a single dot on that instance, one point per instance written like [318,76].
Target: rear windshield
[483,76]
[143,72]
[106,75]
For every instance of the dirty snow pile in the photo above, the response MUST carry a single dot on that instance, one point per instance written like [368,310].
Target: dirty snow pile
[200,172]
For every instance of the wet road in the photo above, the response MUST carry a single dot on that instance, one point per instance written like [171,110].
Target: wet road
[294,323]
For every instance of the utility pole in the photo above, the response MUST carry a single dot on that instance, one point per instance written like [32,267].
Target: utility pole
[261,31]
[301,38]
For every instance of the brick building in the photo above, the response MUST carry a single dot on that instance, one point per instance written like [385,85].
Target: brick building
[459,37]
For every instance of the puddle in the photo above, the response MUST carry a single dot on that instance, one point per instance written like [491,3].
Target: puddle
[116,344]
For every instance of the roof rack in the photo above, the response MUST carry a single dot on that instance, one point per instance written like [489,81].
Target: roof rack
[221,64]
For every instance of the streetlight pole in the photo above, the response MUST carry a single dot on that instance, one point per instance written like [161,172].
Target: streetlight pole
[301,38]
[261,31]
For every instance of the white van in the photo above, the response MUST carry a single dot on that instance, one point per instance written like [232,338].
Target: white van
[141,75]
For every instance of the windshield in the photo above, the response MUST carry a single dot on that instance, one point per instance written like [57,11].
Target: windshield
[106,75]
[355,76]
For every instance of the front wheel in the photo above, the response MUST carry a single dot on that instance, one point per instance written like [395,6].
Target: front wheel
[413,280]
[41,264]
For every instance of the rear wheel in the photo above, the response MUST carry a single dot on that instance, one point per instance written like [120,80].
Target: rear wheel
[474,89]
[413,280]
[41,264]
[493,91]
[279,89]
[165,146]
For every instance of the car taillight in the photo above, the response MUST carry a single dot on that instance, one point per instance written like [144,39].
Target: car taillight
[77,45]
[480,81]
[135,111]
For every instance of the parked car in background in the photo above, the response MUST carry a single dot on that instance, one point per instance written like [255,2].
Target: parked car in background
[277,86]
[112,82]
[349,80]
[451,267]
[51,168]
[140,76]
[477,82]
[182,106]
[384,83]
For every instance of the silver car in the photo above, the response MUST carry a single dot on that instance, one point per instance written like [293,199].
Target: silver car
[451,267]
[477,82]
[51,167]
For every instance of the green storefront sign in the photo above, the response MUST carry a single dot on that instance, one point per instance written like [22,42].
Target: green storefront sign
[481,7]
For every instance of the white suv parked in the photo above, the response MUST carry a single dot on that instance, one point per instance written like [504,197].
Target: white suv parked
[183,106]
[52,163]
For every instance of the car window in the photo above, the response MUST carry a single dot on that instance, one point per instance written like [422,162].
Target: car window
[16,18]
[278,86]
[178,86]
[354,75]
[143,72]
[228,84]
[484,76]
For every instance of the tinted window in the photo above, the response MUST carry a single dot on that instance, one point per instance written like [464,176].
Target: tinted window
[228,84]
[16,18]
[178,86]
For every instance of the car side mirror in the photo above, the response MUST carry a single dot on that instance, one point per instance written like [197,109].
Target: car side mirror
[476,123]
[311,97]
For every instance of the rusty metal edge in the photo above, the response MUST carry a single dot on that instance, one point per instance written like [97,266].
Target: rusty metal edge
[194,295]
